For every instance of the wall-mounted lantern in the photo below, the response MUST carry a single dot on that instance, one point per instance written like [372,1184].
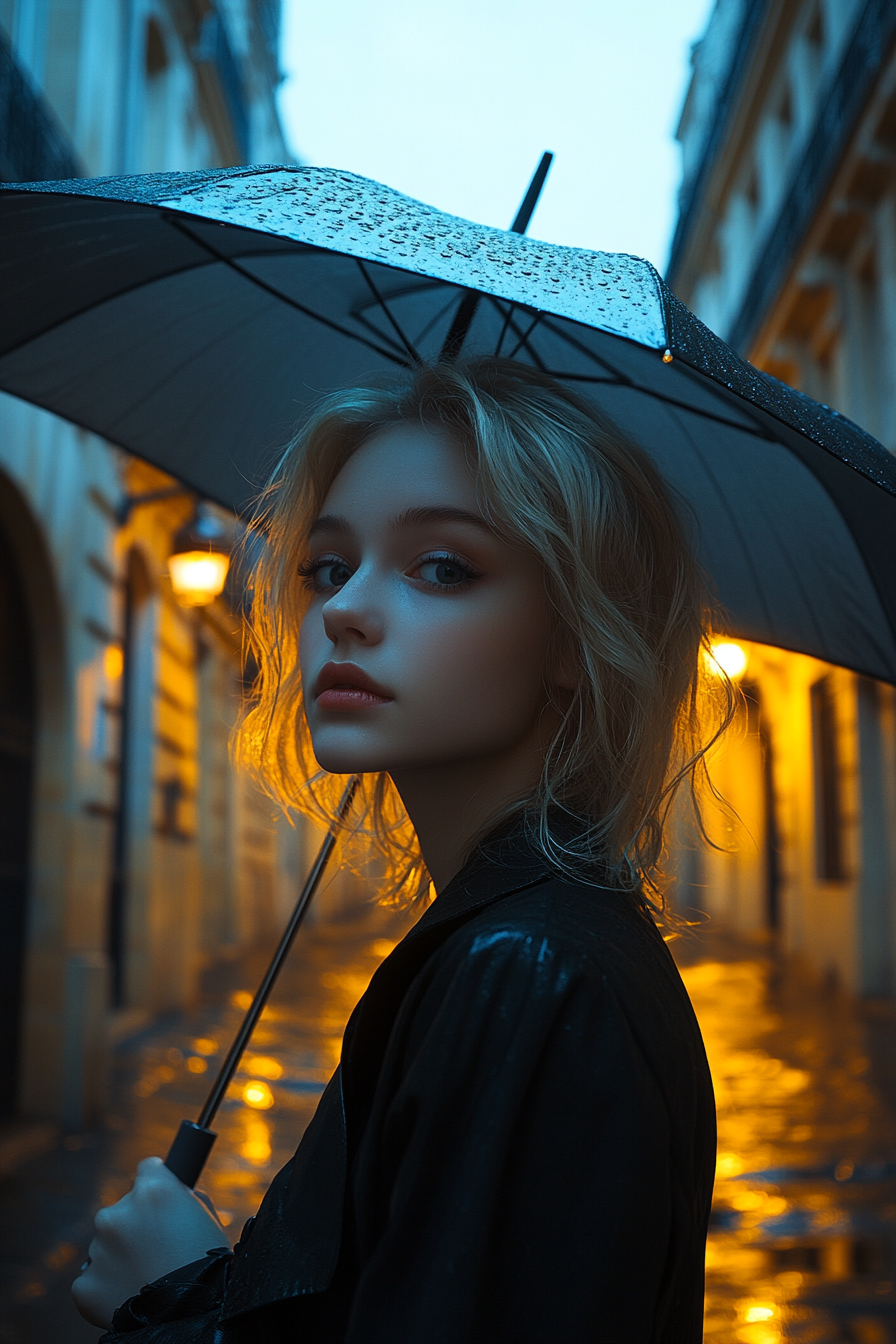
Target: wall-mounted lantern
[200,559]
[725,658]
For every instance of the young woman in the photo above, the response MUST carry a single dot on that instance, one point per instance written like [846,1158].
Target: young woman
[478,596]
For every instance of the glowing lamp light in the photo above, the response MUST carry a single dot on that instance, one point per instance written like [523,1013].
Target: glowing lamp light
[726,658]
[198,577]
[113,661]
[199,560]
[258,1095]
[760,1312]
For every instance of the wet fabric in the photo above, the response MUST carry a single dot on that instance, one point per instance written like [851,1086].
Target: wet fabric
[518,1145]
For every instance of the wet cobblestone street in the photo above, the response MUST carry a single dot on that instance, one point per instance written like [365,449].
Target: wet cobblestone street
[802,1243]
[160,1077]
[803,1240]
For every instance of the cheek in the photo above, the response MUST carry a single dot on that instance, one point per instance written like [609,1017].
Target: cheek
[312,638]
[484,665]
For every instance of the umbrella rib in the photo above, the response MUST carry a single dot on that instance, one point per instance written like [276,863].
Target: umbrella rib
[625,380]
[508,317]
[523,342]
[160,382]
[732,518]
[98,303]
[385,307]
[284,298]
[755,431]
[446,307]
[589,354]
[359,313]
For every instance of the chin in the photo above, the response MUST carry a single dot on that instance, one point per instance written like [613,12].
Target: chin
[347,758]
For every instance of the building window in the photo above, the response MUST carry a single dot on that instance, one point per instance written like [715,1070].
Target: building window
[829,864]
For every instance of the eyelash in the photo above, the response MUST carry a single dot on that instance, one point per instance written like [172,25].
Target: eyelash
[448,557]
[309,570]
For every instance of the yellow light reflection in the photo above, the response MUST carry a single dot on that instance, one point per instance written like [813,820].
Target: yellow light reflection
[747,1200]
[381,947]
[113,662]
[726,658]
[196,1064]
[205,1045]
[197,577]
[241,999]
[258,1094]
[760,1311]
[759,1334]
[264,1066]
[257,1146]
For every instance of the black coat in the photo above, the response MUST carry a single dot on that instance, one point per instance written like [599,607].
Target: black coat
[517,1148]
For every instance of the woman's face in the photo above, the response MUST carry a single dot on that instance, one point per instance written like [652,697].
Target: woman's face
[427,639]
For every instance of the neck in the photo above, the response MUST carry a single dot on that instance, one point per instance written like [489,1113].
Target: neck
[452,805]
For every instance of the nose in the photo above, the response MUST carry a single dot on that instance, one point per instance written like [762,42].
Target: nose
[351,616]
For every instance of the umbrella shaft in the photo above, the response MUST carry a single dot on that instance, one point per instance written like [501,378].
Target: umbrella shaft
[193,1142]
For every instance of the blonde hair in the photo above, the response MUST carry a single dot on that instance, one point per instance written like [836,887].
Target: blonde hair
[558,477]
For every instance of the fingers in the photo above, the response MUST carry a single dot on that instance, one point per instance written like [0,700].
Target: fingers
[151,1166]
[92,1292]
[206,1202]
[157,1226]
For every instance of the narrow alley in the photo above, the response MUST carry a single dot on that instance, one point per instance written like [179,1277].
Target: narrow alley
[803,1240]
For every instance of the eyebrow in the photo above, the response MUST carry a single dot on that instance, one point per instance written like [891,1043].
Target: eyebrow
[437,514]
[334,522]
[329,522]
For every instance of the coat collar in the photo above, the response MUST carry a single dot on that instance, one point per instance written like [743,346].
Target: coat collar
[505,862]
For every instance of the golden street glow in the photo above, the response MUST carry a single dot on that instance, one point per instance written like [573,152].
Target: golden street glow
[197,577]
[762,1311]
[205,1045]
[241,999]
[196,1065]
[257,1147]
[381,947]
[729,1164]
[258,1095]
[726,657]
[264,1066]
[113,662]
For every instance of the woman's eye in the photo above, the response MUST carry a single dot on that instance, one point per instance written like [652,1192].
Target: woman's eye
[445,572]
[327,573]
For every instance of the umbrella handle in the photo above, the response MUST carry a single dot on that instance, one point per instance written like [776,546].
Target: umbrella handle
[189,1152]
[193,1142]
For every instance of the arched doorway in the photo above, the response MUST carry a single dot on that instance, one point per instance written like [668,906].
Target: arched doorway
[18,698]
[138,590]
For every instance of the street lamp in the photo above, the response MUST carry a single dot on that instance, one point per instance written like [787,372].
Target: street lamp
[200,559]
[725,658]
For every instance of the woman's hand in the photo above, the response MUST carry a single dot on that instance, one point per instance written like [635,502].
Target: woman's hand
[157,1227]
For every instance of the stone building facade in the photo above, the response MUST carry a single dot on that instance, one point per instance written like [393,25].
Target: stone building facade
[786,246]
[132,851]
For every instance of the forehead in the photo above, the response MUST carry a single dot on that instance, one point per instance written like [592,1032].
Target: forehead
[403,467]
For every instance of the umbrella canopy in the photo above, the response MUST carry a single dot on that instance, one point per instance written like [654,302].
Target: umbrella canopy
[193,318]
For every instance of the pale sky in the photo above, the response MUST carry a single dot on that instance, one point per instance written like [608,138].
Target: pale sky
[453,102]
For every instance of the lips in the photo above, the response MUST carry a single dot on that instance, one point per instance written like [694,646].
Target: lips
[346,686]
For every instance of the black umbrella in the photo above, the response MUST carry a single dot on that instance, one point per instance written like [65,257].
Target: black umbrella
[192,318]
